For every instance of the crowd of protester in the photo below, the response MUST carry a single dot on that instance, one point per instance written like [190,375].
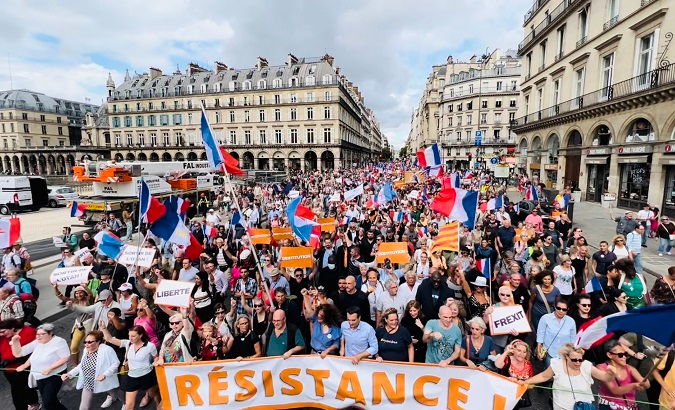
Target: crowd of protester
[434,309]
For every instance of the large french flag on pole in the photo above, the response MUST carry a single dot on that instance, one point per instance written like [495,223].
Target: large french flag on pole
[483,265]
[150,209]
[495,203]
[457,204]
[213,153]
[300,219]
[654,322]
[531,194]
[429,157]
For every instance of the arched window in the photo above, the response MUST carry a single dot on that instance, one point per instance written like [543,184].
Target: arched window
[247,85]
[276,83]
[232,86]
[262,84]
[310,80]
[327,79]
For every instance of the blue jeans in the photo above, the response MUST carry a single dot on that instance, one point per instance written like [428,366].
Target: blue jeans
[637,261]
[666,244]
[130,231]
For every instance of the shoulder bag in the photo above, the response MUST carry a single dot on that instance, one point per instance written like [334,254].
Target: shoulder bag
[578,405]
[124,367]
[543,297]
[670,236]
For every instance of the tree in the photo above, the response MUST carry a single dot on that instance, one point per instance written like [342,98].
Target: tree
[386,154]
[403,152]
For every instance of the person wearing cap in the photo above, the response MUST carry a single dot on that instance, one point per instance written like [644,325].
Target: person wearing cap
[128,301]
[83,322]
[624,224]
[213,218]
[278,281]
[100,309]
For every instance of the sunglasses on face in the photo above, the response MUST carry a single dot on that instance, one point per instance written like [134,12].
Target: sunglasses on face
[619,355]
[504,295]
[174,323]
[258,306]
[585,304]
[220,312]
[576,360]
[562,309]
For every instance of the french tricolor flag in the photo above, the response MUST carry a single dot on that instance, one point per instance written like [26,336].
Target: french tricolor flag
[213,153]
[77,210]
[397,216]
[593,285]
[562,200]
[457,204]
[483,265]
[531,194]
[495,203]
[456,180]
[210,231]
[301,219]
[429,157]
[436,171]
[344,220]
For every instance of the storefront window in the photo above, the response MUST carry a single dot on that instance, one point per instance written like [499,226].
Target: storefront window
[634,184]
[641,131]
[669,195]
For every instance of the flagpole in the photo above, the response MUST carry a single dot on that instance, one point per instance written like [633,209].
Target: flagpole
[228,182]
[140,220]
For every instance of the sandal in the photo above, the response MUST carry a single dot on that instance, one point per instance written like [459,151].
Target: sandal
[146,400]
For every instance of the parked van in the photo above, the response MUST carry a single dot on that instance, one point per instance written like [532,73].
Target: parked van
[21,193]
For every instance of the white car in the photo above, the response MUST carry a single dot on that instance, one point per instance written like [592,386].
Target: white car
[61,195]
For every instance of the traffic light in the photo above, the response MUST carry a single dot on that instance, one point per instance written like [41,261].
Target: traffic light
[470,155]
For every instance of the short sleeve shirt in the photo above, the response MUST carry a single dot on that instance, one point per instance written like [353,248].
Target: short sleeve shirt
[441,349]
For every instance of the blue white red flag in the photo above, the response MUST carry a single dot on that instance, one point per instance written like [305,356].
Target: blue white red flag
[457,204]
[213,153]
[77,210]
[593,285]
[495,203]
[150,209]
[429,157]
[171,227]
[483,265]
[435,171]
[298,219]
[531,194]
[108,244]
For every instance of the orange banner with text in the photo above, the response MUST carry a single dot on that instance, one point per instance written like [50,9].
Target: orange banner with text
[331,383]
[260,236]
[280,234]
[300,257]
[397,252]
[327,224]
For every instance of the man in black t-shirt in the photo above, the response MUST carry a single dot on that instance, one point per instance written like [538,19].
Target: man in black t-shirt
[602,258]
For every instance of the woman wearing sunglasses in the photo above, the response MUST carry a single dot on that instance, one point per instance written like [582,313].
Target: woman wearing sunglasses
[619,393]
[259,314]
[572,377]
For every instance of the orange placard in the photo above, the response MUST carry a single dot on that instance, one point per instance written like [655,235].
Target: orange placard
[299,257]
[327,224]
[399,184]
[260,236]
[280,234]
[397,252]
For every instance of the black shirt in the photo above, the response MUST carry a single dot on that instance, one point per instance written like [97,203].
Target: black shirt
[393,346]
[87,243]
[243,346]
[506,236]
[602,260]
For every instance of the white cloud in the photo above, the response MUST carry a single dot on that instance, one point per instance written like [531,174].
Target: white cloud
[386,47]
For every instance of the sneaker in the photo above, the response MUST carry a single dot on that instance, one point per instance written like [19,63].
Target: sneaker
[660,254]
[669,253]
[108,402]
[644,246]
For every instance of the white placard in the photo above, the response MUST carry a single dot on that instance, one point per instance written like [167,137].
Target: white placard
[173,293]
[131,255]
[82,253]
[293,194]
[58,242]
[504,319]
[73,275]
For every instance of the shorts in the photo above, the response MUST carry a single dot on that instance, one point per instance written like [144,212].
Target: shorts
[144,382]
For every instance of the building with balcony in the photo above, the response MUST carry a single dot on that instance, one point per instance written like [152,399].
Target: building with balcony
[478,100]
[597,89]
[42,135]
[303,114]
[425,119]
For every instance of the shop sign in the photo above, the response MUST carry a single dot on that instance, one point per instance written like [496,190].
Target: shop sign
[636,149]
[599,151]
[551,167]
[669,149]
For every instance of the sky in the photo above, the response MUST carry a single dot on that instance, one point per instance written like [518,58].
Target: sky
[386,47]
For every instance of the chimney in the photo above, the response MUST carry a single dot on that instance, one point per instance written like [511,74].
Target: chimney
[450,60]
[155,72]
[262,62]
[220,66]
[337,70]
[473,59]
[328,58]
[194,68]
[291,60]
[356,91]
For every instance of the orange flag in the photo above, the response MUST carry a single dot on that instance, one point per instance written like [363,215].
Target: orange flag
[447,239]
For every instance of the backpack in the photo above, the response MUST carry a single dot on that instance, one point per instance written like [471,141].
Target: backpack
[194,346]
[21,264]
[34,291]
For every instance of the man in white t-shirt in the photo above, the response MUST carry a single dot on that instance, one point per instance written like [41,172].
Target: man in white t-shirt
[213,218]
[645,217]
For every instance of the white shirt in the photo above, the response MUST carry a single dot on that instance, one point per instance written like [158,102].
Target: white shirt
[645,215]
[406,293]
[10,261]
[140,363]
[44,355]
[213,218]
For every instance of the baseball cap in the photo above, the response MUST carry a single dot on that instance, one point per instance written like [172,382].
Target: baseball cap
[105,294]
[125,287]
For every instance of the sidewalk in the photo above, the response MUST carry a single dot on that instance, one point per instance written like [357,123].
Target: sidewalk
[594,219]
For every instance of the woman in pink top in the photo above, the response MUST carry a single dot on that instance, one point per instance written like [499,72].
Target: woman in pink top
[619,394]
[145,318]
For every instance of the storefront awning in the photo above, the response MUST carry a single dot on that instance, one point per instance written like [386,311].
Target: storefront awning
[633,159]
[596,160]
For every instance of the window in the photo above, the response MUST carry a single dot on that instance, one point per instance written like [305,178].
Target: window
[153,139]
[27,142]
[262,136]
[245,101]
[514,85]
[114,110]
[612,10]
[326,135]
[179,139]
[217,117]
[151,106]
[231,116]
[165,139]
[578,87]
[178,119]
[498,103]
[216,102]
[327,79]
[555,97]
[326,113]
[527,104]
[276,83]
[163,120]
[118,140]
[606,76]
[247,137]
[139,120]
[152,120]
[26,129]
[45,143]
[24,116]
[459,107]
[310,113]
[542,51]
[540,101]
[310,135]
[233,137]
[261,100]
[294,98]
[261,115]
[127,121]
[469,118]
[451,108]
[277,99]
[294,114]
[459,121]
[294,136]
[483,118]
[247,116]
[469,105]
[645,55]
[247,85]
[310,80]
[327,96]
[44,130]
[130,140]
[232,85]
[512,116]
[497,134]
[528,61]
[60,130]
[262,84]
[230,102]
[499,85]
[309,97]
[141,140]
[583,26]
[43,118]
[449,121]
[162,105]
[512,102]
[278,136]
[470,88]
[62,143]
[483,104]
[498,118]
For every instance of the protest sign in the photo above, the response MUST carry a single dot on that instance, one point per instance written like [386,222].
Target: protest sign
[260,236]
[397,252]
[58,242]
[173,293]
[73,275]
[298,257]
[334,382]
[133,255]
[505,318]
[280,234]
[82,253]
[327,224]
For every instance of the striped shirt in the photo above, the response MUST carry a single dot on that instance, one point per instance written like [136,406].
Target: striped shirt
[634,242]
